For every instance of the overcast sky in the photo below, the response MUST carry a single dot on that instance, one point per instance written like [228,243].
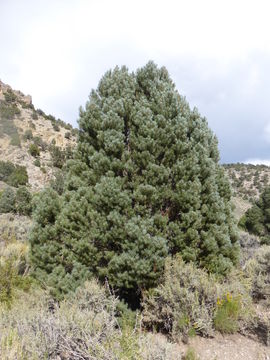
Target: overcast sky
[217,53]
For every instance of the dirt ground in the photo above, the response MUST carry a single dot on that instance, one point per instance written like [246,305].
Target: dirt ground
[229,347]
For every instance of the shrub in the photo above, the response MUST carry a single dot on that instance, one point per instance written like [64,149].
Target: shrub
[13,175]
[257,219]
[58,156]
[8,111]
[18,177]
[28,135]
[13,270]
[258,269]
[184,303]
[190,354]
[57,183]
[227,314]
[10,96]
[34,116]
[40,112]
[56,127]
[6,169]
[67,135]
[15,140]
[190,301]
[37,162]
[23,201]
[80,328]
[7,201]
[234,293]
[40,143]
[34,150]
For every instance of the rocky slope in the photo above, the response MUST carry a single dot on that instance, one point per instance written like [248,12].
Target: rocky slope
[248,180]
[22,126]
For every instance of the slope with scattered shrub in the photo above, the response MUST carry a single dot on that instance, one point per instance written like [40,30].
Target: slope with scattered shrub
[32,139]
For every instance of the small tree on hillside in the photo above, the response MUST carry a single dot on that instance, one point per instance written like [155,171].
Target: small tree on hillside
[257,219]
[144,183]
[23,201]
[7,201]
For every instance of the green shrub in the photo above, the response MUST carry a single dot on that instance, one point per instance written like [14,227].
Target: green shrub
[190,301]
[13,175]
[56,127]
[58,156]
[40,143]
[34,116]
[15,140]
[10,96]
[190,354]
[67,135]
[184,303]
[8,111]
[257,218]
[34,150]
[227,314]
[57,183]
[40,112]
[6,169]
[7,201]
[23,201]
[28,135]
[37,162]
[13,270]
[258,269]
[18,177]
[80,328]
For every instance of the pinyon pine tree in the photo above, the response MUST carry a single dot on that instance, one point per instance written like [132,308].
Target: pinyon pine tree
[257,219]
[144,183]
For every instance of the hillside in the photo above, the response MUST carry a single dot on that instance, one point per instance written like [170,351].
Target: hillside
[248,180]
[30,138]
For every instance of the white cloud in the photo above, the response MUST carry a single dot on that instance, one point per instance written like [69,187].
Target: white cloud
[258,162]
[216,51]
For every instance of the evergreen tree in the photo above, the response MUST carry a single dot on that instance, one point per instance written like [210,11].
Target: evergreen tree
[144,183]
[257,219]
[23,201]
[7,201]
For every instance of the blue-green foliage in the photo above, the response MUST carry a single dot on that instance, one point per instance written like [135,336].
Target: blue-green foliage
[257,219]
[144,183]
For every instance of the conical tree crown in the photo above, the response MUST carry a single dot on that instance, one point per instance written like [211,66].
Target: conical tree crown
[145,182]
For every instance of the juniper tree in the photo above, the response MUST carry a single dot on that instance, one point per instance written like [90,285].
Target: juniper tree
[144,183]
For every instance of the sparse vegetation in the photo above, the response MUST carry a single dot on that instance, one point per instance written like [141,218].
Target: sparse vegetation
[247,180]
[7,127]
